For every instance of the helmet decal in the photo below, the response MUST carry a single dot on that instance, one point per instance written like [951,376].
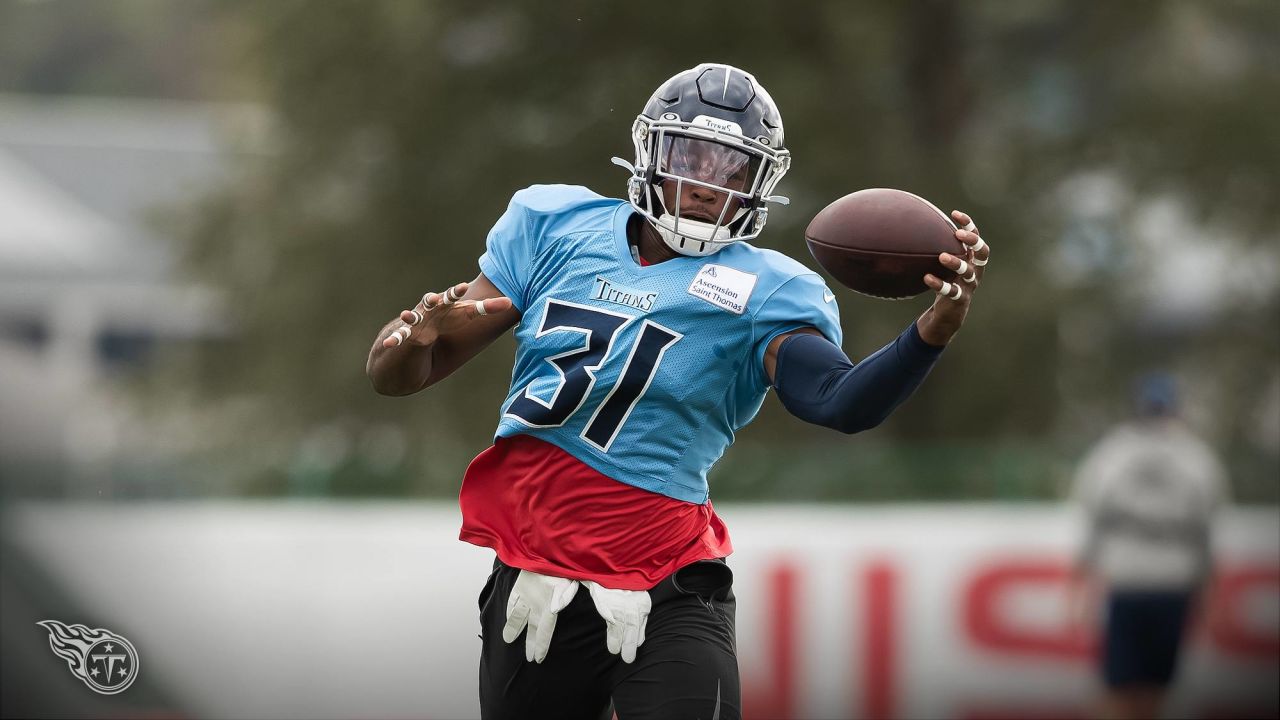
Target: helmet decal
[725,126]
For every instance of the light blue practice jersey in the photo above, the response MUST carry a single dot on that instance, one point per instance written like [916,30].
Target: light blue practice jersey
[643,373]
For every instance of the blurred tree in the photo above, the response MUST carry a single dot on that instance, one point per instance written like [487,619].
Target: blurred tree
[403,128]
[133,48]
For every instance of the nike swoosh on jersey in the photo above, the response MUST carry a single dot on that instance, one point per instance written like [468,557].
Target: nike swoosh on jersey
[828,296]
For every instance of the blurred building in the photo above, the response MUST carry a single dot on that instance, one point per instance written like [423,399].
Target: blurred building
[91,191]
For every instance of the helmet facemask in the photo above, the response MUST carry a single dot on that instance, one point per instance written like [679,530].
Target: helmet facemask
[710,154]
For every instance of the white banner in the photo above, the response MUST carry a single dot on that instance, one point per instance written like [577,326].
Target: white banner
[283,610]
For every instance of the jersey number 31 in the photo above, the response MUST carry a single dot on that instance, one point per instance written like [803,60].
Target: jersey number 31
[577,370]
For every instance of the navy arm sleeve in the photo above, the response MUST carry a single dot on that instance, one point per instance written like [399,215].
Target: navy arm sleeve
[818,383]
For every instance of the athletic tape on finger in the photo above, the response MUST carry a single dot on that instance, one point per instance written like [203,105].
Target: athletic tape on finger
[480,308]
[970,227]
[980,245]
[451,296]
[417,317]
[973,276]
[949,288]
[964,267]
[426,303]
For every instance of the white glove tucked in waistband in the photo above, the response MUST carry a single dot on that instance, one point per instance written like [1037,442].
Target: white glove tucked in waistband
[535,601]
[625,613]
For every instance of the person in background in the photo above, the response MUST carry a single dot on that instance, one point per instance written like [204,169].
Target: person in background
[1149,488]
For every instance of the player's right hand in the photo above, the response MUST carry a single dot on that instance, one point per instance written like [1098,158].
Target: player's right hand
[535,602]
[440,313]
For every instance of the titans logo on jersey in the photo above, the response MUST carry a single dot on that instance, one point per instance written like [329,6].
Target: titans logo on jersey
[643,373]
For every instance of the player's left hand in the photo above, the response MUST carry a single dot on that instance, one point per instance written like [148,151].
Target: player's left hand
[943,319]
[625,613]
[536,601]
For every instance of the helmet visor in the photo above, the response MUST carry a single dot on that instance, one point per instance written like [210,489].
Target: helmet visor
[709,163]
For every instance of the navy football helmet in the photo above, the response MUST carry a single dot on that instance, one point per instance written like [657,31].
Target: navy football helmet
[715,127]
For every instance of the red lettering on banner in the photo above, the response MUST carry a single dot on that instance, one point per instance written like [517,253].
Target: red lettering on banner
[1227,627]
[879,653]
[775,697]
[990,630]
[990,623]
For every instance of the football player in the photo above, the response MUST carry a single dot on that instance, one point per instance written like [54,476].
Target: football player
[649,330]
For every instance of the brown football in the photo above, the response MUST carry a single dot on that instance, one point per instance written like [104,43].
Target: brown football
[881,242]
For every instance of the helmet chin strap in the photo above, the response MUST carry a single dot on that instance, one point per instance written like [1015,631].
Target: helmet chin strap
[696,238]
